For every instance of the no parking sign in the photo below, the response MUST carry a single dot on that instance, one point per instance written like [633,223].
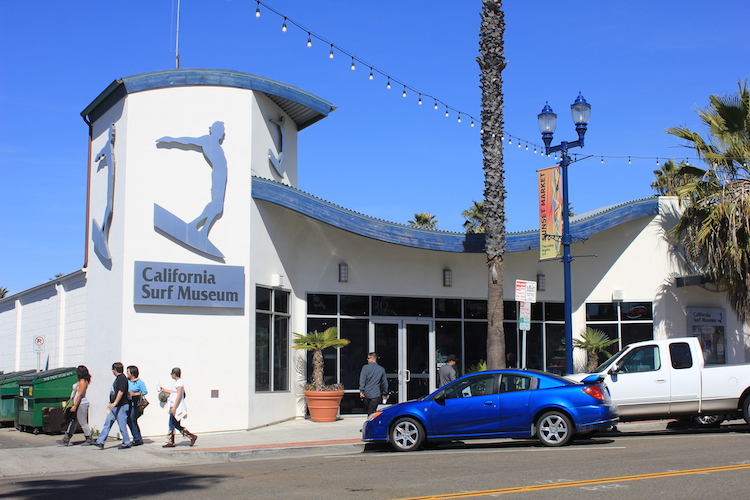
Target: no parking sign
[39,343]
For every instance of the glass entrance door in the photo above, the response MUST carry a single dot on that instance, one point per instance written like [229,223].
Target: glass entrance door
[404,351]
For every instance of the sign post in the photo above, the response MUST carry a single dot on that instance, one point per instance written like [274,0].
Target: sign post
[39,349]
[525,295]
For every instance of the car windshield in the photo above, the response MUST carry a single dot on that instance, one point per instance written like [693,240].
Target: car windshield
[605,366]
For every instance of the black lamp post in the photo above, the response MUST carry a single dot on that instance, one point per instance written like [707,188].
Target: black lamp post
[580,110]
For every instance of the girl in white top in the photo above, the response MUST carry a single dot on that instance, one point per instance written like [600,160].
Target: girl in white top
[80,408]
[177,409]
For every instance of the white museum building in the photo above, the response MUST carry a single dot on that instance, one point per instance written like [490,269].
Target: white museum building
[202,253]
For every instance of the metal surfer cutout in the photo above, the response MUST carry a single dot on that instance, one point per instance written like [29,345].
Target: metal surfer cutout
[276,161]
[194,234]
[100,235]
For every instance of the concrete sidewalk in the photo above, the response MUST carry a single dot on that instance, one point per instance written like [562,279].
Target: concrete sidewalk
[298,437]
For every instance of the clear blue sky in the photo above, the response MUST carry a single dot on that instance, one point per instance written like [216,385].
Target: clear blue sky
[643,65]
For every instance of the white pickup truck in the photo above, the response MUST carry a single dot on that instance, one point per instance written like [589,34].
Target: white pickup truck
[660,379]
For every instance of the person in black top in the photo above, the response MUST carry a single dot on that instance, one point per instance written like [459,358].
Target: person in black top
[119,404]
[373,383]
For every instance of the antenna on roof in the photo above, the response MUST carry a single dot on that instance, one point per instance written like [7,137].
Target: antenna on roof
[177,38]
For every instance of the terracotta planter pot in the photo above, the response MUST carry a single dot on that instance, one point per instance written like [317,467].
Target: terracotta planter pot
[323,405]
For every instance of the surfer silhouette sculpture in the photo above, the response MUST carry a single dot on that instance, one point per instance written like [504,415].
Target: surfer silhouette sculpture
[195,233]
[100,234]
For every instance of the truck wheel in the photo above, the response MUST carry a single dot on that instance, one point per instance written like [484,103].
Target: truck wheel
[708,421]
[407,435]
[554,428]
[36,431]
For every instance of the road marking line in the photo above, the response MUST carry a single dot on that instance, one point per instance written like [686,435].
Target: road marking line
[538,487]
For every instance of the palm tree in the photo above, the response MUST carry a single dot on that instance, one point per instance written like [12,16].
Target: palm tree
[714,228]
[492,63]
[475,218]
[593,342]
[673,176]
[3,292]
[317,342]
[424,221]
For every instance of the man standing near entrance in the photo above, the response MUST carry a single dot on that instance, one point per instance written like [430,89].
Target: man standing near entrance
[373,384]
[119,404]
[447,372]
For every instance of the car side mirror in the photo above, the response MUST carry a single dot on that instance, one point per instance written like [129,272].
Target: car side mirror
[439,397]
[614,370]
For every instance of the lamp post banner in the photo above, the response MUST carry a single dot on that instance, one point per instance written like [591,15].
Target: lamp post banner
[550,213]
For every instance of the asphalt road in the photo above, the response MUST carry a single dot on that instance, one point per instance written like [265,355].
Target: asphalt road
[680,465]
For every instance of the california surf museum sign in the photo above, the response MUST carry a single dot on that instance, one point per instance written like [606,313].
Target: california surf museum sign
[188,285]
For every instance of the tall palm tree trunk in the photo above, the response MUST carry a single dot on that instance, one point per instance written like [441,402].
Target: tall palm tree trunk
[492,62]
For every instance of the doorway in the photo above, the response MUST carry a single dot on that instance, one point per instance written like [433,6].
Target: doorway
[406,351]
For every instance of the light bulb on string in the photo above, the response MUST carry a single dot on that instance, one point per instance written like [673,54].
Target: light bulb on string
[257,11]
[629,162]
[510,140]
[534,149]
[657,162]
[309,40]
[519,144]
[353,66]
[404,93]
[459,118]
[371,77]
[436,106]
[446,112]
[602,160]
[420,100]
[388,85]
[527,146]
[472,124]
[330,54]
[283,26]
[502,138]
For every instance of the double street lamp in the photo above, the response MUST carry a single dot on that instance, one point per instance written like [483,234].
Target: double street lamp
[580,110]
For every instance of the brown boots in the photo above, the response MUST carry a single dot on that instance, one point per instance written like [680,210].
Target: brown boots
[170,440]
[192,437]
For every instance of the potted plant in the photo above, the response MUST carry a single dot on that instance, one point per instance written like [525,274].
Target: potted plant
[593,341]
[322,400]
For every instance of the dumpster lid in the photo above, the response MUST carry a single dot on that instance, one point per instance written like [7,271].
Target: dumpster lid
[12,376]
[47,375]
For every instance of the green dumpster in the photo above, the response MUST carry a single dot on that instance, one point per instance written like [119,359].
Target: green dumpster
[38,390]
[8,393]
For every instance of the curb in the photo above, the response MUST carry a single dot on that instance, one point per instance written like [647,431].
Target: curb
[265,451]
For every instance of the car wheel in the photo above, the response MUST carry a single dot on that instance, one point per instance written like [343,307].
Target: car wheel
[554,428]
[746,409]
[407,434]
[708,421]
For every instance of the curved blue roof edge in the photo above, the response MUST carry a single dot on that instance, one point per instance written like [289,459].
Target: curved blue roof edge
[401,234]
[222,78]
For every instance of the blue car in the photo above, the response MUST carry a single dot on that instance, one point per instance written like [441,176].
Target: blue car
[497,404]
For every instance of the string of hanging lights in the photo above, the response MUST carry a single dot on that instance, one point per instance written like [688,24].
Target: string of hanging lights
[438,103]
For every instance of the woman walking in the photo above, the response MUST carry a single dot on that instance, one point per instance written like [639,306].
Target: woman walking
[177,409]
[137,389]
[80,408]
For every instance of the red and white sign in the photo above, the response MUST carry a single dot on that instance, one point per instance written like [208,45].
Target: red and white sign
[39,343]
[525,291]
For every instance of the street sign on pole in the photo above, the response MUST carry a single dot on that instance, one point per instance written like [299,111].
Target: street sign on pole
[525,291]
[39,343]
[524,318]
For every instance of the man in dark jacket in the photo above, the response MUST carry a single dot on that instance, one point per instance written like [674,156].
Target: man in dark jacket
[119,404]
[373,384]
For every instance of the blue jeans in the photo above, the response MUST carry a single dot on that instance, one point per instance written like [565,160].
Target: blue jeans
[174,424]
[119,413]
[133,416]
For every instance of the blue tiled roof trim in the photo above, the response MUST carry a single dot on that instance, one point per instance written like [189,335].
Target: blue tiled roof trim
[303,107]
[446,241]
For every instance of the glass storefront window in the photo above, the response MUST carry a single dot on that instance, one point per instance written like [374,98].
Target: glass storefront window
[321,303]
[448,308]
[447,340]
[401,306]
[475,309]
[271,340]
[355,305]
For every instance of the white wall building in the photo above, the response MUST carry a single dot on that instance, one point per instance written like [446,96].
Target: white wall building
[201,253]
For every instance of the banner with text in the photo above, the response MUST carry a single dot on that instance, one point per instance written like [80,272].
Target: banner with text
[188,285]
[550,214]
